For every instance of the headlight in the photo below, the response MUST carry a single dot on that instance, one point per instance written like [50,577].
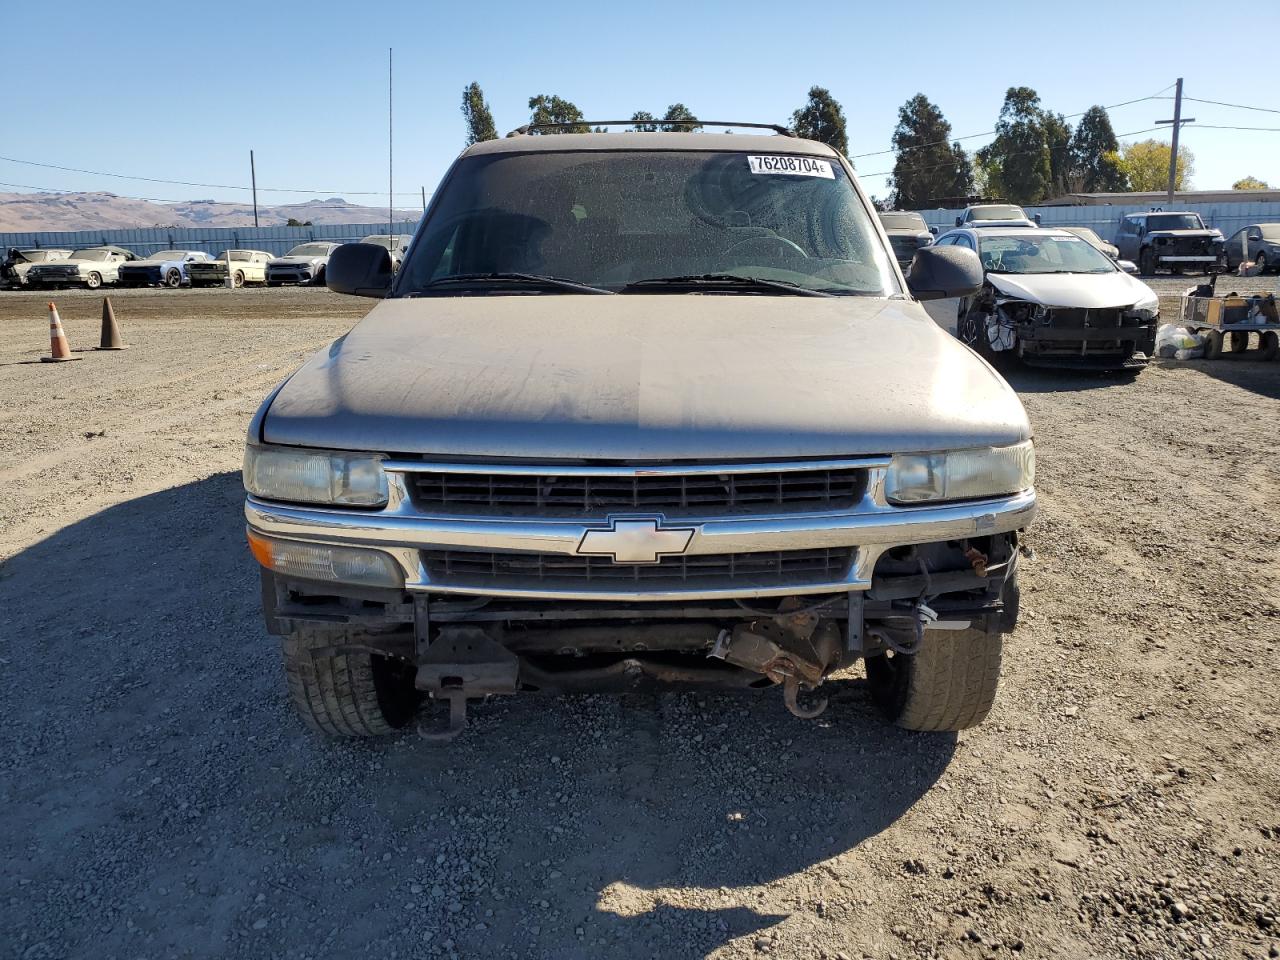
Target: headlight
[961,474]
[1148,307]
[329,562]
[315,476]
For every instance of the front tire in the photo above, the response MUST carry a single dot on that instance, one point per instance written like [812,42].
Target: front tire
[1262,264]
[949,684]
[238,279]
[349,695]
[93,281]
[1147,263]
[173,279]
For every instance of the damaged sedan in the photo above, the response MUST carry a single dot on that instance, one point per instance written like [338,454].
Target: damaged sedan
[1050,299]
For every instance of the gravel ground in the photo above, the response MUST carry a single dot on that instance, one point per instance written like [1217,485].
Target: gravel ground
[161,800]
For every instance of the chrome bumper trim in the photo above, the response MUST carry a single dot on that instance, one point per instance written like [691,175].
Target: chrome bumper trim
[871,527]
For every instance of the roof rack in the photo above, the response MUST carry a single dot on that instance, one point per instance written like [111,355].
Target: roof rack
[775,127]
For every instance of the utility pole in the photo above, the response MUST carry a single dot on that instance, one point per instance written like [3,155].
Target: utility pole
[424,201]
[253,176]
[1177,122]
[391,197]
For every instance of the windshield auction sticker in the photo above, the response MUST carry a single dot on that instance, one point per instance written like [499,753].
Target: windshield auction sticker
[792,166]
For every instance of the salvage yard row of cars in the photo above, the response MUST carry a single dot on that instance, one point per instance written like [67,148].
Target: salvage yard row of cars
[106,265]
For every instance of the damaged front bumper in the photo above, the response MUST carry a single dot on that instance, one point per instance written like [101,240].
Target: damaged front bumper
[1103,339]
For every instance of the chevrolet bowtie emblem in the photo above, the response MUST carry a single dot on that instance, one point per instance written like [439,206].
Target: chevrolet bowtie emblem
[635,541]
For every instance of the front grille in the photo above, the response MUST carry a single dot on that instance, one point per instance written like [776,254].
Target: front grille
[773,568]
[593,495]
[1070,317]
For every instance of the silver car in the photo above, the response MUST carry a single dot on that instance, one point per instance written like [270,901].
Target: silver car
[641,408]
[304,264]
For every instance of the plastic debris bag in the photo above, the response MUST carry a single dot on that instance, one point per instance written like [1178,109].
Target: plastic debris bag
[1178,342]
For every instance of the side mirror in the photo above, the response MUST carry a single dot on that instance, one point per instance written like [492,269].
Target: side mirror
[941,272]
[1036,218]
[1128,266]
[934,231]
[959,221]
[360,269]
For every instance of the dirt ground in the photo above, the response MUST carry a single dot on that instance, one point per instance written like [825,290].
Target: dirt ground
[161,800]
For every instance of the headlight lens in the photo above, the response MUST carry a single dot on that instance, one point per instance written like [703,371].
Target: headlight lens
[961,474]
[315,476]
[1149,307]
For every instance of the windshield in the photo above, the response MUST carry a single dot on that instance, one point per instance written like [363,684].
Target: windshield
[391,243]
[91,253]
[1175,221]
[167,255]
[34,256]
[903,221]
[1047,254]
[997,212]
[610,219]
[1271,231]
[238,255]
[309,250]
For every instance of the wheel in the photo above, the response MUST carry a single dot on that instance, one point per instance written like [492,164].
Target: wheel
[1268,345]
[1212,344]
[1237,341]
[238,279]
[350,695]
[949,684]
[93,281]
[318,280]
[1261,262]
[173,278]
[1147,262]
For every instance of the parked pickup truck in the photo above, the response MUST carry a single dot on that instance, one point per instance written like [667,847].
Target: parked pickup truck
[1170,241]
[641,408]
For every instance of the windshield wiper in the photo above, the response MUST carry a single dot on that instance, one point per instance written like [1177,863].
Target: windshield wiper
[522,279]
[724,280]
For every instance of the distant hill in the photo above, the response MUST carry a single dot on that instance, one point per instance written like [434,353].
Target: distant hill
[22,212]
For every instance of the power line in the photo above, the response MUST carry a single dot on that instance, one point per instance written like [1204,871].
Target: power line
[1238,106]
[190,183]
[1214,126]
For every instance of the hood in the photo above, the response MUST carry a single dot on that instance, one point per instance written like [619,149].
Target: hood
[1091,291]
[296,261]
[645,377]
[149,264]
[1208,232]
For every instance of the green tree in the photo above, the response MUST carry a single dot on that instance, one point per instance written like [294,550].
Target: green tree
[642,121]
[1096,155]
[678,111]
[552,109]
[1021,147]
[291,222]
[1146,163]
[822,119]
[1249,183]
[476,113]
[1062,169]
[987,181]
[927,169]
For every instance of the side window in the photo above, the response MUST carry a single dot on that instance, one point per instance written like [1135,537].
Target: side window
[964,241]
[946,242]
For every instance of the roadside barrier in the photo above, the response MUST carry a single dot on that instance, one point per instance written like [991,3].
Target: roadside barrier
[59,349]
[110,339]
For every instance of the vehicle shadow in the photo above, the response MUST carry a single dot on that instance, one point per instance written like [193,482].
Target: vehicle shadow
[1026,379]
[162,796]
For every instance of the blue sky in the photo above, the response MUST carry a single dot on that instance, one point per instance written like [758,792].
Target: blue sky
[182,91]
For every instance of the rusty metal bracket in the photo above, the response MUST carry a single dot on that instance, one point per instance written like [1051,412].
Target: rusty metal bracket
[464,663]
[854,642]
[421,625]
[790,691]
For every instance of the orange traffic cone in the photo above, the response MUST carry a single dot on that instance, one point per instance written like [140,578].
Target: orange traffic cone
[110,331]
[59,348]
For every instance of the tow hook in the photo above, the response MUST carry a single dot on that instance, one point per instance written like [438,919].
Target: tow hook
[790,650]
[462,663]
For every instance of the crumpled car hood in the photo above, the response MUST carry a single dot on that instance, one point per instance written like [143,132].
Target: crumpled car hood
[1091,291]
[645,377]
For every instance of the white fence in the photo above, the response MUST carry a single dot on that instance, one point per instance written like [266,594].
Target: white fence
[1104,220]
